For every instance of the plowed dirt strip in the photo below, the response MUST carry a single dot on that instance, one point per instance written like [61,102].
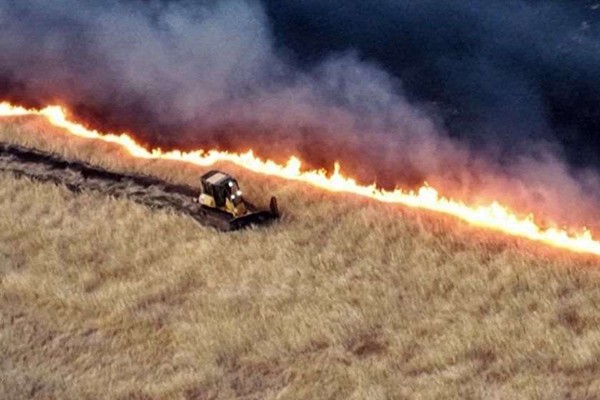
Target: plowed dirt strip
[78,176]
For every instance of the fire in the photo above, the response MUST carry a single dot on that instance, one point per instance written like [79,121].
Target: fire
[494,216]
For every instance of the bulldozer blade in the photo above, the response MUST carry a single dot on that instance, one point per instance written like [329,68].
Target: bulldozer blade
[255,218]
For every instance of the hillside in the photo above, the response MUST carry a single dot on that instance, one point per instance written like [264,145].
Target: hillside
[344,298]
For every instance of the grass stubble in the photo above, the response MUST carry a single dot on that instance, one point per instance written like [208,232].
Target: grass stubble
[344,298]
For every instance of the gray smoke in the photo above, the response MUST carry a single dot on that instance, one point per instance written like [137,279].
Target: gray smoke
[211,73]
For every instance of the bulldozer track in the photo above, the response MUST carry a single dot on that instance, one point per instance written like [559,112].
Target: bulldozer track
[79,176]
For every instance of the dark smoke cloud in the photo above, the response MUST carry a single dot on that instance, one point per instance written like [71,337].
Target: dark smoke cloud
[467,95]
[501,70]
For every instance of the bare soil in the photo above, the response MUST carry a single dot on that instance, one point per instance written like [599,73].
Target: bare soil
[78,176]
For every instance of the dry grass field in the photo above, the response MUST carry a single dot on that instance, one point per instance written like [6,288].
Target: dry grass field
[342,299]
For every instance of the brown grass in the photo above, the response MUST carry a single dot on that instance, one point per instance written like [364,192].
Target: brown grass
[344,298]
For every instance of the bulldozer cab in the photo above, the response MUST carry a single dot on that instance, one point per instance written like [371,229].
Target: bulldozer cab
[220,190]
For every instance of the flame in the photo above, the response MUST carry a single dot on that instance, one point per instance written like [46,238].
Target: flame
[494,216]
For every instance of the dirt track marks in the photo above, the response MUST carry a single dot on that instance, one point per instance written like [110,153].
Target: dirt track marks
[78,176]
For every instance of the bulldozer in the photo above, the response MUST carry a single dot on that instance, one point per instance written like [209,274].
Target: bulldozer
[220,190]
[221,194]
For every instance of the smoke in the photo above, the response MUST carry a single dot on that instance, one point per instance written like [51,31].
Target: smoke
[464,95]
[500,70]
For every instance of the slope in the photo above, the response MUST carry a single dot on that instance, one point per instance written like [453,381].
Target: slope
[343,298]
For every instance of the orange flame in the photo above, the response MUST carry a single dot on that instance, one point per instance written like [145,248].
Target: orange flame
[494,216]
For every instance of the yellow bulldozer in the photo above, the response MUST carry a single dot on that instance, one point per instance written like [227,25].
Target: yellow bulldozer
[220,190]
[221,193]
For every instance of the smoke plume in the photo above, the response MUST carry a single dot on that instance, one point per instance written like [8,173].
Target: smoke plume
[485,100]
